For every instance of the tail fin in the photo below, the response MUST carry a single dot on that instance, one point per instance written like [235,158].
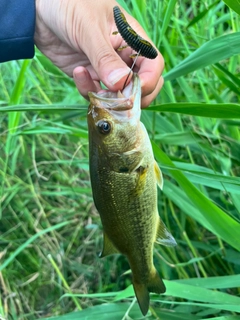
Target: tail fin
[154,284]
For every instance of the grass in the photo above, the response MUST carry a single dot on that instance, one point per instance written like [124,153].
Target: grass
[50,232]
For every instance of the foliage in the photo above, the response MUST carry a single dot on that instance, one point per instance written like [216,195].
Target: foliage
[50,232]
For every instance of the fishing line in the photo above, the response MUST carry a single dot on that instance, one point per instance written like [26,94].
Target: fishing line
[134,62]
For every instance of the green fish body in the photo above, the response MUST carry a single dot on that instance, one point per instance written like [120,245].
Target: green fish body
[124,178]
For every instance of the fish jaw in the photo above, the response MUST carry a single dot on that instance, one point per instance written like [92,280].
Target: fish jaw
[121,111]
[122,106]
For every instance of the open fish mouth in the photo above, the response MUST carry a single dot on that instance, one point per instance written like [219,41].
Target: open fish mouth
[121,104]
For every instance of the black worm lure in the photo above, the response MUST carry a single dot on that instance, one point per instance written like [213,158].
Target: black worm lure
[131,37]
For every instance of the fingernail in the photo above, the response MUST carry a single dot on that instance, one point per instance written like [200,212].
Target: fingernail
[117,75]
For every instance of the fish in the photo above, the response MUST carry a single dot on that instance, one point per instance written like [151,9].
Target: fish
[124,179]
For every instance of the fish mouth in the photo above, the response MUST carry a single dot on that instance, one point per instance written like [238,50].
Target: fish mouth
[121,104]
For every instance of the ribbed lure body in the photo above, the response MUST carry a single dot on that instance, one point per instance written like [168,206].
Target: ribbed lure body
[131,37]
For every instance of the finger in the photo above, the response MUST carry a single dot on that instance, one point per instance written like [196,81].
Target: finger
[84,81]
[146,100]
[100,47]
[110,68]
[150,72]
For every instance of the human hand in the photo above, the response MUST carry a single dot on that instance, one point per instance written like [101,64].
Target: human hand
[76,35]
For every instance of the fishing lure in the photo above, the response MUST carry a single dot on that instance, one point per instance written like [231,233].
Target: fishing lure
[137,43]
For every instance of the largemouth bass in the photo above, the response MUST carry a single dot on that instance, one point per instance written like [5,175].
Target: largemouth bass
[124,178]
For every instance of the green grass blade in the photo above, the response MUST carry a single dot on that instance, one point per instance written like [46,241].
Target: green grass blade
[43,107]
[117,311]
[222,300]
[209,53]
[16,95]
[201,14]
[107,311]
[167,17]
[29,241]
[51,68]
[221,74]
[195,295]
[202,176]
[224,318]
[228,74]
[219,222]
[210,110]
[234,5]
[224,282]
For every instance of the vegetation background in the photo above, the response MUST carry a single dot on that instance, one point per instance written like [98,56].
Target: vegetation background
[50,232]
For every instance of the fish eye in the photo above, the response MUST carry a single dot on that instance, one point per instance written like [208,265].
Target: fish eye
[104,127]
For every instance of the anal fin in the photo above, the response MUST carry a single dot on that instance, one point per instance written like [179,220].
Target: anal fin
[164,237]
[154,284]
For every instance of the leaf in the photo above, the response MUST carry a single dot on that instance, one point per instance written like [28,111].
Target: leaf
[201,15]
[211,110]
[209,53]
[234,5]
[218,221]
[224,318]
[16,95]
[30,240]
[106,311]
[42,107]
[177,196]
[178,138]
[190,289]
[215,299]
[166,19]
[51,68]
[224,282]
[228,74]
[207,177]
[117,311]
[61,129]
[226,77]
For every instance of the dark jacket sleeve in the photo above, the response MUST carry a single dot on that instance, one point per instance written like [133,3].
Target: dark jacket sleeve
[17,26]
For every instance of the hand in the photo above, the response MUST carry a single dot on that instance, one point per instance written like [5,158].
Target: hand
[76,35]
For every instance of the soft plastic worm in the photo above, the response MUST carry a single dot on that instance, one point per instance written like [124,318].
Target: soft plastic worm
[137,43]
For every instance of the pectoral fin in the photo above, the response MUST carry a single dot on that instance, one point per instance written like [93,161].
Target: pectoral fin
[164,237]
[158,175]
[140,181]
[108,247]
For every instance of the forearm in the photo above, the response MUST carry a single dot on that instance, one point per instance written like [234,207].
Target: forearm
[17,25]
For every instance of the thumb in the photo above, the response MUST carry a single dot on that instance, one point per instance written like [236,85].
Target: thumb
[110,68]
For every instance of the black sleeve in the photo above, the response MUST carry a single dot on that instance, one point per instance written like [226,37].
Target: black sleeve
[17,26]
